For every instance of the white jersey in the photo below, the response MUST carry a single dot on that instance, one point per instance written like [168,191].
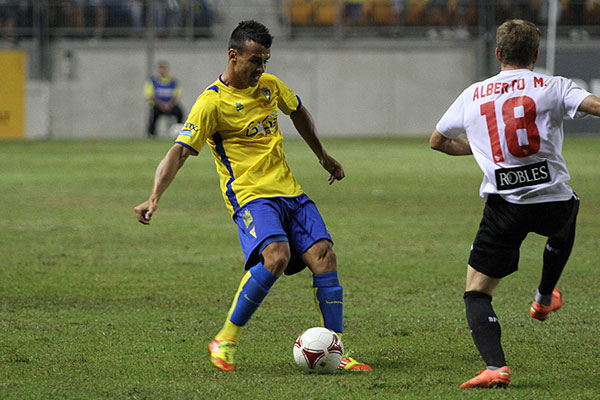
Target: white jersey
[514,124]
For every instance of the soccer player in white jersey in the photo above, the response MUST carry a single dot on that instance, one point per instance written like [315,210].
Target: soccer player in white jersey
[513,125]
[280,228]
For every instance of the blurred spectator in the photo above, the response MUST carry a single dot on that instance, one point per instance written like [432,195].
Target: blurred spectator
[174,16]
[522,9]
[76,14]
[99,7]
[526,9]
[353,12]
[436,16]
[503,11]
[8,18]
[437,12]
[162,93]
[158,11]
[463,13]
[25,16]
[415,12]
[136,11]
[400,7]
[574,15]
[592,12]
[196,13]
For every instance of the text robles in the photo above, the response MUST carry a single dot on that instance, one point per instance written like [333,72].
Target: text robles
[527,175]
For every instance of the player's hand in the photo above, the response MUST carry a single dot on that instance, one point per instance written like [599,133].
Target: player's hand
[334,168]
[144,211]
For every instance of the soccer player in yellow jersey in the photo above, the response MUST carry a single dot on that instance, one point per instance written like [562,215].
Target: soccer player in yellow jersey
[280,228]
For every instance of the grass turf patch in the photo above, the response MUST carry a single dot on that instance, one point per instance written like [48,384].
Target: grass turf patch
[95,305]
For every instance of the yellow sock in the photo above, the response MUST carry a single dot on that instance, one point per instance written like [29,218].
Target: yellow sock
[230,332]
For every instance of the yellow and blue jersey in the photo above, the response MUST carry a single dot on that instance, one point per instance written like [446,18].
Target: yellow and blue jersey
[242,131]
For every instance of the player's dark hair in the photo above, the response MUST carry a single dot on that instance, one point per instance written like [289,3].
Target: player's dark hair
[250,30]
[517,41]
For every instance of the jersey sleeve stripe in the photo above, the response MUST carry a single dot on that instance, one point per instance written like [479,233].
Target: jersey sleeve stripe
[218,139]
[188,146]
[299,104]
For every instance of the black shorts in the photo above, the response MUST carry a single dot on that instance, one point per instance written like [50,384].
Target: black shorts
[504,225]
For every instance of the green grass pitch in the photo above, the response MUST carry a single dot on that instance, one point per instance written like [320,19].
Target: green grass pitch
[95,305]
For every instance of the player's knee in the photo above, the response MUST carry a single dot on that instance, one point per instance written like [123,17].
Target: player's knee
[330,260]
[277,260]
[326,259]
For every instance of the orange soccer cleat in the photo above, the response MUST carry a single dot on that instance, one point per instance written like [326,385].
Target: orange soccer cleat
[497,378]
[541,312]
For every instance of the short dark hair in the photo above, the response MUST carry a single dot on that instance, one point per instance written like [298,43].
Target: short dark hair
[250,30]
[517,41]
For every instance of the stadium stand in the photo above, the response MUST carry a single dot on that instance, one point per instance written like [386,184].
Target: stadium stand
[105,19]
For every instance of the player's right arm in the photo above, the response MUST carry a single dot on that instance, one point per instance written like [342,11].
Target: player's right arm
[446,135]
[149,91]
[590,105]
[164,175]
[455,147]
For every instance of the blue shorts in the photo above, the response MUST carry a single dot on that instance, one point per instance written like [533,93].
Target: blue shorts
[280,219]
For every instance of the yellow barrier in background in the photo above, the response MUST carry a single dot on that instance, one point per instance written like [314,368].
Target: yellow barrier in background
[12,94]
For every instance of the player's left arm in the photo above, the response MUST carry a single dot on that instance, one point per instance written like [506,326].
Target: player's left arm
[590,105]
[455,147]
[305,126]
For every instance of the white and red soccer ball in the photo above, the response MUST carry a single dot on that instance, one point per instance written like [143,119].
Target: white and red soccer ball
[318,350]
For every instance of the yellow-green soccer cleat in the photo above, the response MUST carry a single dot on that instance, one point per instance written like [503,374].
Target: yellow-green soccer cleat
[350,364]
[221,354]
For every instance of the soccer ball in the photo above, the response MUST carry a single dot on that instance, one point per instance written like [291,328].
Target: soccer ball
[318,350]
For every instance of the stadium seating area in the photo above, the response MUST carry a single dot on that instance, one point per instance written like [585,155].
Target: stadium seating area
[194,18]
[431,12]
[105,18]
[378,12]
[458,17]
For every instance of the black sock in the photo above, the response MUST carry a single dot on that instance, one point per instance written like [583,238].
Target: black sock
[557,251]
[556,255]
[485,328]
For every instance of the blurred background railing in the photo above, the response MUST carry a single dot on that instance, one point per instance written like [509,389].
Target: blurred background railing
[194,19]
[105,19]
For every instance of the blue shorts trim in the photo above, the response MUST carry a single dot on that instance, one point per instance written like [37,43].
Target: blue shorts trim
[267,220]
[268,241]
